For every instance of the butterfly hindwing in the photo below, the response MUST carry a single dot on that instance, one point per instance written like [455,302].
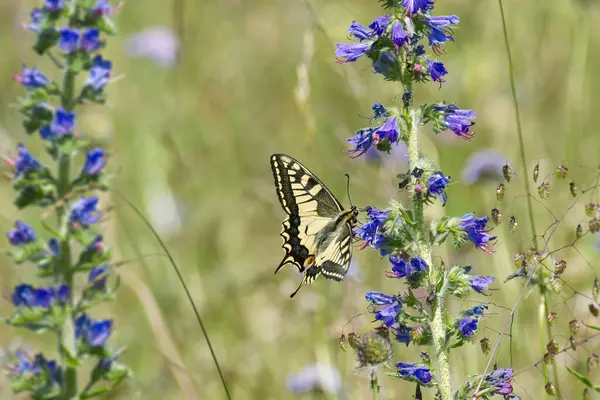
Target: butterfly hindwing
[317,232]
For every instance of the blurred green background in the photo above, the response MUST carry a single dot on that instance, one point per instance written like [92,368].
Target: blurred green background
[190,144]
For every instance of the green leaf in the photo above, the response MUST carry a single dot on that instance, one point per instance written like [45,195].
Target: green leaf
[596,328]
[583,379]
[34,97]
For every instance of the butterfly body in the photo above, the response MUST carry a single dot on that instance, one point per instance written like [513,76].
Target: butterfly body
[317,234]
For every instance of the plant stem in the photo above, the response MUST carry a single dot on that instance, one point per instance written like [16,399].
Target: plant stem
[513,88]
[374,385]
[436,323]
[67,346]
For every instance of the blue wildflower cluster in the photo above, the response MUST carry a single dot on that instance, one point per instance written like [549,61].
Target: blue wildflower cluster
[72,33]
[404,45]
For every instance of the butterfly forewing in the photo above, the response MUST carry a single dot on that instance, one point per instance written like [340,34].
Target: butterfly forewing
[317,232]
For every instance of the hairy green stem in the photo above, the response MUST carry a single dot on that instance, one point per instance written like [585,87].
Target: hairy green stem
[436,322]
[374,385]
[513,88]
[67,346]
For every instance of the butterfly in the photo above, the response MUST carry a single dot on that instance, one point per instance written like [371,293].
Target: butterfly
[317,233]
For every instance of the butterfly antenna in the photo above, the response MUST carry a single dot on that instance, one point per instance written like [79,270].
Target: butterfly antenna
[348,188]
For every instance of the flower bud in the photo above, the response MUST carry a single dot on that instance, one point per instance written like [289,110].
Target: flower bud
[536,172]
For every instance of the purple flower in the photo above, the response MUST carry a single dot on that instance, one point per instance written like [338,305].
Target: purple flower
[21,234]
[458,120]
[26,364]
[35,16]
[44,297]
[25,163]
[32,78]
[101,8]
[63,294]
[54,247]
[99,332]
[475,311]
[23,295]
[94,161]
[481,283]
[501,378]
[385,63]
[68,40]
[378,110]
[99,73]
[391,306]
[475,231]
[467,326]
[437,186]
[418,264]
[159,44]
[399,37]
[315,378]
[362,141]
[380,24]
[389,130]
[62,124]
[439,29]
[54,5]
[370,232]
[96,245]
[400,268]
[436,71]
[350,52]
[97,277]
[82,324]
[403,334]
[412,6]
[421,374]
[85,211]
[484,164]
[90,41]
[360,32]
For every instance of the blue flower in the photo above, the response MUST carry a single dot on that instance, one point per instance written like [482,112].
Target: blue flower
[82,325]
[391,306]
[501,378]
[68,40]
[475,311]
[362,141]
[97,277]
[26,365]
[378,110]
[385,63]
[101,8]
[437,186]
[54,247]
[399,37]
[62,124]
[96,245]
[418,264]
[370,232]
[23,295]
[350,52]
[99,73]
[467,326]
[44,297]
[475,231]
[99,332]
[439,29]
[32,78]
[360,32]
[85,212]
[389,130]
[54,5]
[35,16]
[458,120]
[436,71]
[25,163]
[402,269]
[380,24]
[94,161]
[21,234]
[90,41]
[412,6]
[403,334]
[422,374]
[63,294]
[481,283]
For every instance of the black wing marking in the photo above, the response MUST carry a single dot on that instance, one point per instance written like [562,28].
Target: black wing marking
[334,259]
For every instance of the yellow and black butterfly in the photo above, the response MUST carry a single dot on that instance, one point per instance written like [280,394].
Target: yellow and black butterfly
[317,234]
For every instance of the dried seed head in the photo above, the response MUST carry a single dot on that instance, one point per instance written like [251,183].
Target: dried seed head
[559,267]
[555,284]
[573,342]
[343,342]
[561,172]
[593,309]
[354,340]
[544,190]
[550,389]
[594,225]
[592,361]
[574,326]
[500,192]
[586,394]
[552,347]
[536,172]
[574,189]
[486,346]
[496,216]
[579,231]
[552,317]
[520,260]
[512,223]
[374,349]
[592,209]
[507,172]
[596,289]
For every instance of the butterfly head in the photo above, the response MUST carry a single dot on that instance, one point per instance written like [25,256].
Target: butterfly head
[354,212]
